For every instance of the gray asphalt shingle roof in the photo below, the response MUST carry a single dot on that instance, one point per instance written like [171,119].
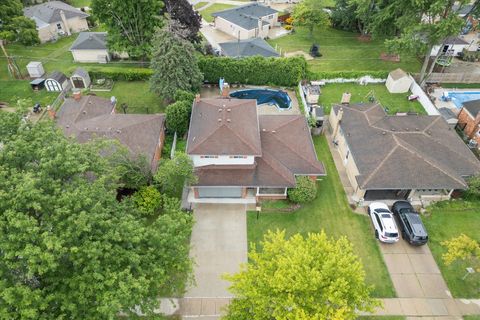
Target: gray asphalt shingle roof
[473,107]
[248,48]
[90,41]
[246,16]
[49,12]
[405,152]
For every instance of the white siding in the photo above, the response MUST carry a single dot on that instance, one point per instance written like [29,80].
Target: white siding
[198,161]
[457,48]
[89,55]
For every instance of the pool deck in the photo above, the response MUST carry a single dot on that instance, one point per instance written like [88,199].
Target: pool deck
[439,103]
[213,92]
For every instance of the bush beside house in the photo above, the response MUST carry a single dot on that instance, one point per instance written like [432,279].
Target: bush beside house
[305,191]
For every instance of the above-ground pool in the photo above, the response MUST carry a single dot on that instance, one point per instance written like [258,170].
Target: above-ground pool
[459,97]
[276,97]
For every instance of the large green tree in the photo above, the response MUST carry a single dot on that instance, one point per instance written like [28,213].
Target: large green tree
[174,64]
[130,24]
[174,173]
[14,26]
[310,14]
[300,278]
[68,248]
[178,116]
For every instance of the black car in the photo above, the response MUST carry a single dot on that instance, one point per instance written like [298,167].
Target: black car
[411,225]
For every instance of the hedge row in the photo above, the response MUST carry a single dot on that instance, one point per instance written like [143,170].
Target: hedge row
[254,70]
[118,73]
[345,74]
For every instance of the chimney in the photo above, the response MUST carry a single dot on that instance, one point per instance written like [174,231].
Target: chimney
[77,95]
[65,22]
[226,90]
[51,112]
[260,25]
[197,97]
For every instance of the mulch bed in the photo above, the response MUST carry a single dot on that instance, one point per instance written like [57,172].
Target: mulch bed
[390,57]
[364,38]
[291,208]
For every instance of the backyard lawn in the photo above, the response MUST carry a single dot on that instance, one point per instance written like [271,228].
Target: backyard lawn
[137,95]
[330,212]
[207,13]
[13,90]
[448,220]
[342,51]
[395,102]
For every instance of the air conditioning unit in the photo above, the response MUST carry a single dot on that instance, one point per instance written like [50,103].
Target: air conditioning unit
[472,144]
[61,32]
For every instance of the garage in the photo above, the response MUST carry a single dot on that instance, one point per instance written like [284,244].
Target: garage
[224,192]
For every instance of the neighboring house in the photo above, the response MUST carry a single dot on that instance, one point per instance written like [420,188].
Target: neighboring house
[56,82]
[452,46]
[242,157]
[415,157]
[90,47]
[56,18]
[469,120]
[398,81]
[253,20]
[247,48]
[90,117]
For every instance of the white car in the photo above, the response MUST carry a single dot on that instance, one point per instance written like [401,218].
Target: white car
[383,222]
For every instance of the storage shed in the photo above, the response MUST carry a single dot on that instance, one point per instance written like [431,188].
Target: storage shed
[80,79]
[37,84]
[35,69]
[398,81]
[56,81]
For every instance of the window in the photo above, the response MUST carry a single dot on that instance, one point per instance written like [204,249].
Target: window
[379,222]
[238,157]
[270,16]
[208,157]
[59,26]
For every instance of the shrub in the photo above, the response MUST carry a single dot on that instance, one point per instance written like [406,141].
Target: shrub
[305,191]
[118,73]
[288,27]
[148,199]
[254,70]
[473,190]
[178,116]
[182,95]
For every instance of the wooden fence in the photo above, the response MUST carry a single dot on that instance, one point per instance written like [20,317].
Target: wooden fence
[453,78]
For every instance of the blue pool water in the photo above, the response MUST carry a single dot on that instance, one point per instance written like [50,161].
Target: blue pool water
[276,97]
[458,98]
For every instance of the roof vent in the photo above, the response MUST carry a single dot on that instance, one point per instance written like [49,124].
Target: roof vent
[264,130]
[384,133]
[67,126]
[118,131]
[84,112]
[223,105]
[429,132]
[273,131]
[228,120]
[193,139]
[393,129]
[406,129]
[416,129]
[228,110]
[219,109]
[219,120]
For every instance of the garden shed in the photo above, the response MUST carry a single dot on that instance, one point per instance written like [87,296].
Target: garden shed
[80,79]
[398,81]
[56,81]
[35,69]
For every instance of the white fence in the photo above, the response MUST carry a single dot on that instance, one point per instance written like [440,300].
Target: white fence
[424,99]
[361,80]
[303,103]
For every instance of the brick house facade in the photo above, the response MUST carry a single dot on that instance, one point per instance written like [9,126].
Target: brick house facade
[469,120]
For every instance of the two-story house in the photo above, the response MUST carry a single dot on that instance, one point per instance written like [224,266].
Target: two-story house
[243,157]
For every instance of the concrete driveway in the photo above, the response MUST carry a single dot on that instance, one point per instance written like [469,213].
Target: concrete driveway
[219,246]
[414,271]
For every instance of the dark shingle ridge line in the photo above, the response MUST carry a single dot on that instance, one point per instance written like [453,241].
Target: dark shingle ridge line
[369,177]
[269,159]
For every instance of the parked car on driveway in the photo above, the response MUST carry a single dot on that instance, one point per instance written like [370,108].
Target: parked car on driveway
[383,222]
[411,225]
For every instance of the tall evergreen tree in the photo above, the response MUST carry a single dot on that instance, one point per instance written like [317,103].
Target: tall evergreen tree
[130,24]
[174,64]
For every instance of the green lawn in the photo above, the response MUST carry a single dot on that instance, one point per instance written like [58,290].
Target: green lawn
[207,13]
[12,90]
[471,317]
[381,318]
[80,3]
[330,212]
[342,51]
[200,4]
[395,102]
[137,95]
[448,220]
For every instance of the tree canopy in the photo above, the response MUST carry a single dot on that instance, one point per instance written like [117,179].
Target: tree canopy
[69,249]
[189,20]
[178,116]
[462,248]
[14,26]
[174,64]
[174,173]
[300,278]
[310,14]
[130,24]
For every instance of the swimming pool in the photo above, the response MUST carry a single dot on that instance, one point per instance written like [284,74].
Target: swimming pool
[276,97]
[459,97]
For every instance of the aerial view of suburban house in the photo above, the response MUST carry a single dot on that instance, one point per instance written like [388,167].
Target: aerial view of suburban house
[89,117]
[249,21]
[247,48]
[416,157]
[56,18]
[469,120]
[90,47]
[240,155]
[451,45]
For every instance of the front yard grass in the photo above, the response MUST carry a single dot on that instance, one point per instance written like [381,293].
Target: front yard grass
[342,51]
[137,95]
[395,102]
[207,13]
[447,220]
[330,211]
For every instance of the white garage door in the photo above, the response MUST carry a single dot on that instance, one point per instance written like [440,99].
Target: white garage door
[219,192]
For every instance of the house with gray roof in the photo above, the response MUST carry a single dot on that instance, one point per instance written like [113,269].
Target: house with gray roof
[56,18]
[415,157]
[247,48]
[469,120]
[451,46]
[90,117]
[252,20]
[90,47]
[241,157]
